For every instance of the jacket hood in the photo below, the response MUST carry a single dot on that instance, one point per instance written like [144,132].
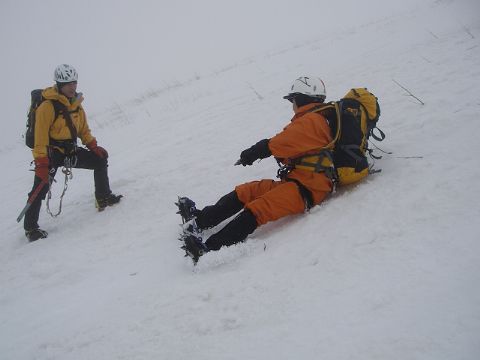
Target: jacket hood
[51,93]
[304,109]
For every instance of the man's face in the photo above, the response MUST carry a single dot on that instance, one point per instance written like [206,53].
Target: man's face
[69,89]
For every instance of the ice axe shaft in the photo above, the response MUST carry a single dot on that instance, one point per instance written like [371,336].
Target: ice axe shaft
[31,199]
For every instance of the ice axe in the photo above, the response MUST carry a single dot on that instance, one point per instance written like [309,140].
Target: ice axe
[31,199]
[239,162]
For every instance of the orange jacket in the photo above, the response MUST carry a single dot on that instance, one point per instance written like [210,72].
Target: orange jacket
[47,127]
[307,133]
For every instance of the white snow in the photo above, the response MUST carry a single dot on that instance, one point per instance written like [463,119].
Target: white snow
[386,269]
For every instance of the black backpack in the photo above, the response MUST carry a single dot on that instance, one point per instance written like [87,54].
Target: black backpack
[354,120]
[58,107]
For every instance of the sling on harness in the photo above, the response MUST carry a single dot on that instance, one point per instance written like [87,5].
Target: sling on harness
[69,163]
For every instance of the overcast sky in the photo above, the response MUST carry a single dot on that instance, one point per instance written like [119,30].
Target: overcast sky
[123,48]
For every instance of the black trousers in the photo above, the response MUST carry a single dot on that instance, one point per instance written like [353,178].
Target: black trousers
[85,159]
[236,230]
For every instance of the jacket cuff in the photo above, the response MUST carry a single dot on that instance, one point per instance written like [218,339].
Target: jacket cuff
[42,161]
[261,149]
[92,144]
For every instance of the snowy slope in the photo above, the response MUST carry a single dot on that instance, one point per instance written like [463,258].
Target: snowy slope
[387,269]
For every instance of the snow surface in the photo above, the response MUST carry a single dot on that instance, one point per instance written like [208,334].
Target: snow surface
[387,269]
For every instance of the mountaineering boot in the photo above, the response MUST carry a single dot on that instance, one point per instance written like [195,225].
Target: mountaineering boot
[35,234]
[191,228]
[194,247]
[234,232]
[192,239]
[186,209]
[102,202]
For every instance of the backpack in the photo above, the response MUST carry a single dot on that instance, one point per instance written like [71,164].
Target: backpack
[36,99]
[359,112]
[352,121]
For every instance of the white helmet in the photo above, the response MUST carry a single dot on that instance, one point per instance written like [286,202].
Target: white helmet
[307,85]
[65,73]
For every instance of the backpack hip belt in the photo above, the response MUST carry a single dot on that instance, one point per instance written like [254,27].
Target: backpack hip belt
[318,163]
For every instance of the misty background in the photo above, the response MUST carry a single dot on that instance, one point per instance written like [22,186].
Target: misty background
[123,48]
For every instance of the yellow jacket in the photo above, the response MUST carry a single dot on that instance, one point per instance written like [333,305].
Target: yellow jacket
[47,127]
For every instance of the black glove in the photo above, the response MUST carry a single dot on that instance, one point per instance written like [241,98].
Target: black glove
[258,151]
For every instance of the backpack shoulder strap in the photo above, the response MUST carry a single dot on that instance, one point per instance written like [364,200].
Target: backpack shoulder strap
[323,107]
[62,109]
[57,108]
[337,107]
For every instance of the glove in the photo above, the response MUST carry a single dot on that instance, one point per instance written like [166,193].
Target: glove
[41,168]
[258,151]
[97,150]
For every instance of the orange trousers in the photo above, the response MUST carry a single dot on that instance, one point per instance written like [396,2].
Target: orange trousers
[271,200]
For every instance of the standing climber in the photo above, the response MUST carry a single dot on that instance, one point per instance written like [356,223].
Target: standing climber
[59,120]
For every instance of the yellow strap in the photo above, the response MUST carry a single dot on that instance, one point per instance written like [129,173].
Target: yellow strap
[331,145]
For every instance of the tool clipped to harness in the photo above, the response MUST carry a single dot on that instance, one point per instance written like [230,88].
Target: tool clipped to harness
[283,170]
[69,163]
